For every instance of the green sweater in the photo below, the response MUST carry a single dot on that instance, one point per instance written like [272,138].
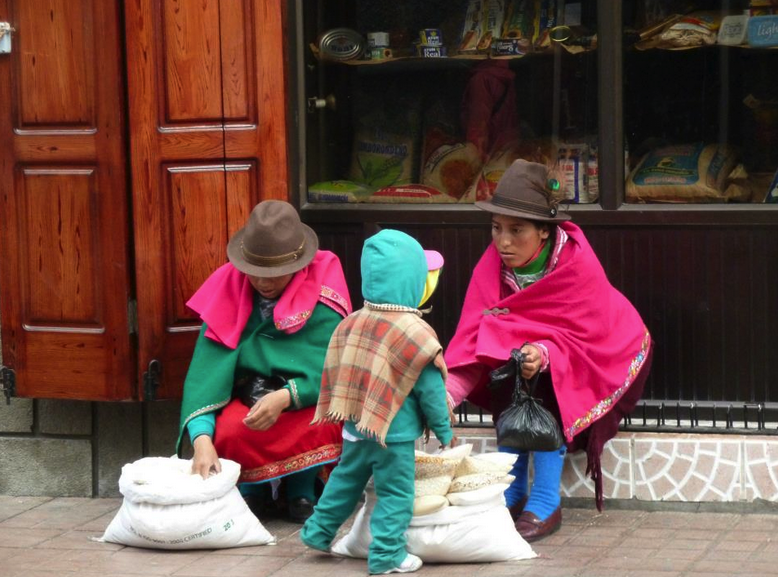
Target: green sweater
[263,349]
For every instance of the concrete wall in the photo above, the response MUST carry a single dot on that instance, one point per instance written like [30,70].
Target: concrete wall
[77,448]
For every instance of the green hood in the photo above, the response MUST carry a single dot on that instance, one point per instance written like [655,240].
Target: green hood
[394,269]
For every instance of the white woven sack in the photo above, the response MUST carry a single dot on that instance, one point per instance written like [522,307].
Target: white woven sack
[166,507]
[483,495]
[481,533]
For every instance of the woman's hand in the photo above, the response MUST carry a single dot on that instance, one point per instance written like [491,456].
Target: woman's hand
[265,412]
[205,458]
[532,360]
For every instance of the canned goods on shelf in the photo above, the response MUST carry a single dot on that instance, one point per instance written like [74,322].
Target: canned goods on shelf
[377,39]
[431,37]
[341,44]
[380,53]
[432,51]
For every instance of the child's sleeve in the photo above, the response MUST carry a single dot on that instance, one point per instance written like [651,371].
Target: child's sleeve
[430,390]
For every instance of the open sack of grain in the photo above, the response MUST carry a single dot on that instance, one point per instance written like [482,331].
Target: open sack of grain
[459,511]
[167,507]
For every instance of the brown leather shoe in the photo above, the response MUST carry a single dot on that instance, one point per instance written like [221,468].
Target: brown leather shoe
[533,529]
[516,510]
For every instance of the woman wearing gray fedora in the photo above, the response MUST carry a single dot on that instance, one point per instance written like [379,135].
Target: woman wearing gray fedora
[253,382]
[540,289]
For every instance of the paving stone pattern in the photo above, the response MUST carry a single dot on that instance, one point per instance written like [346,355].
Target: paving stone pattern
[43,537]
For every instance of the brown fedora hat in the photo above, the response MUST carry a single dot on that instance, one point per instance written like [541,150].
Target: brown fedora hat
[273,243]
[523,192]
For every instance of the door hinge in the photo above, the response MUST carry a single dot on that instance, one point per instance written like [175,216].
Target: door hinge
[7,383]
[151,380]
[132,316]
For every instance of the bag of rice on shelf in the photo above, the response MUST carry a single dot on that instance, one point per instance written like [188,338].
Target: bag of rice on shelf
[385,151]
[167,507]
[684,173]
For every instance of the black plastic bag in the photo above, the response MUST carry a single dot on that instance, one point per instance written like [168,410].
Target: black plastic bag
[252,388]
[525,425]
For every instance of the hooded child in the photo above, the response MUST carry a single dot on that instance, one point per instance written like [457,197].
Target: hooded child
[384,379]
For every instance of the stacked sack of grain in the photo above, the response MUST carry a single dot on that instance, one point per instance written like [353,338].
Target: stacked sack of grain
[459,512]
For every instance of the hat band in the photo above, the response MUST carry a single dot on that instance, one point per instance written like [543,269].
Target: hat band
[271,261]
[516,204]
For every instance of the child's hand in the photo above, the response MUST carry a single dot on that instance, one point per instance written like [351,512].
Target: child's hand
[454,442]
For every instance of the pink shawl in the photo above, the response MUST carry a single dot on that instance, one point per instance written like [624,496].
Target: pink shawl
[596,340]
[225,300]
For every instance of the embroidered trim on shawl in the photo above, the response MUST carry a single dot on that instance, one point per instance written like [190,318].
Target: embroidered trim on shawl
[331,294]
[392,308]
[326,294]
[204,410]
[292,320]
[320,456]
[605,405]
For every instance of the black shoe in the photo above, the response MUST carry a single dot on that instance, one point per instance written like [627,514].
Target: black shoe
[299,510]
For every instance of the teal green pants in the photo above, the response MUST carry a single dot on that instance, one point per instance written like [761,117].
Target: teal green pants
[392,469]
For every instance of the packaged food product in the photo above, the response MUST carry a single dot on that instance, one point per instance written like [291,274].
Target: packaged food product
[733,30]
[763,31]
[544,20]
[518,22]
[483,22]
[696,29]
[772,191]
[683,173]
[431,37]
[378,39]
[387,131]
[337,191]
[474,26]
[494,16]
[508,47]
[452,169]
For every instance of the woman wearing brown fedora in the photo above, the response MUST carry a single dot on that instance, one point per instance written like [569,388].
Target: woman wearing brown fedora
[253,382]
[539,288]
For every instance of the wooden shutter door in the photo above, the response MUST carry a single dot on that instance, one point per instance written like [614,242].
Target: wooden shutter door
[63,201]
[208,141]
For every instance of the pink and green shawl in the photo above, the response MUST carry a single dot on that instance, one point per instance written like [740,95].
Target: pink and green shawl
[596,340]
[225,300]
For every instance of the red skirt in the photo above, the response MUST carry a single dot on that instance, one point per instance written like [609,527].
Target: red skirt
[290,445]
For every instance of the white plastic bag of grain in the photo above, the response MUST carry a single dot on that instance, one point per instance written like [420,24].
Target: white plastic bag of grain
[480,533]
[167,507]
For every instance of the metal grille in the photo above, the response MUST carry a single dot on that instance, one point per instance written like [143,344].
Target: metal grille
[675,417]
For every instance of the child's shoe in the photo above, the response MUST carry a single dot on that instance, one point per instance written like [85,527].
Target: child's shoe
[410,564]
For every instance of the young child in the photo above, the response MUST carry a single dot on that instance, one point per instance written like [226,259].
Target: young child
[384,378]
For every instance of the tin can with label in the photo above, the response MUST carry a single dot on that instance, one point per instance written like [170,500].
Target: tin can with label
[341,44]
[432,51]
[431,37]
[380,53]
[377,39]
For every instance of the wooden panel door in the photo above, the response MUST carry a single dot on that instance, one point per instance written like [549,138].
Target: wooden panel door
[63,201]
[208,141]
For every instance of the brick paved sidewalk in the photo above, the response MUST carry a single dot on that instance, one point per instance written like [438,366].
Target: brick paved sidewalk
[41,537]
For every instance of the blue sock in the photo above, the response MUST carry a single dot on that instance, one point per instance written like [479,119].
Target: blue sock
[518,488]
[544,497]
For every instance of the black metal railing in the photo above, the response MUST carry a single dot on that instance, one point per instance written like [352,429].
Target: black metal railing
[675,416]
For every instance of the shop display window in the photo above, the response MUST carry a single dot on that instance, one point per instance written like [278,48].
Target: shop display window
[429,101]
[701,101]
